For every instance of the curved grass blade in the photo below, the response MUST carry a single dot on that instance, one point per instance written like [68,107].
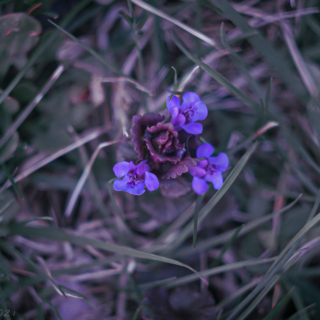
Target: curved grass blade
[59,235]
[84,177]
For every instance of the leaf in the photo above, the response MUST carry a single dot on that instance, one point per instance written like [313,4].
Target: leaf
[163,209]
[18,34]
[174,188]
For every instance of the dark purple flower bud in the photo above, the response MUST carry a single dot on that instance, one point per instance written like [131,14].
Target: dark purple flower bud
[136,177]
[184,116]
[156,140]
[138,130]
[210,169]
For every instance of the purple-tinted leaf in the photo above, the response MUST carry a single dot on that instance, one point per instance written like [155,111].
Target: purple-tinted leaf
[174,188]
[163,209]
[175,170]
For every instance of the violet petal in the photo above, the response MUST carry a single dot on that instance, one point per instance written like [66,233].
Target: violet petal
[121,169]
[151,181]
[197,171]
[174,102]
[189,98]
[221,162]
[202,163]
[200,111]
[193,128]
[120,185]
[205,150]
[199,185]
[142,167]
[178,121]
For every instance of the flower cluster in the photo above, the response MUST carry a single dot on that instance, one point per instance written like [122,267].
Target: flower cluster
[164,151]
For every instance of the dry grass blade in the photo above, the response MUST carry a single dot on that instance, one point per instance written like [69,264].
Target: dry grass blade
[85,175]
[305,74]
[55,76]
[91,136]
[183,26]
[217,270]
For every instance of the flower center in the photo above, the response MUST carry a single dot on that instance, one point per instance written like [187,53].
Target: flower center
[188,113]
[211,169]
[135,179]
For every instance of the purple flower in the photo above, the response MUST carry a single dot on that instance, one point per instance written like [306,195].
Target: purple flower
[210,169]
[136,177]
[184,116]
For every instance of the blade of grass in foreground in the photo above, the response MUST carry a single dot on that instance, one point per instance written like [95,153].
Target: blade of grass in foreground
[59,235]
[218,195]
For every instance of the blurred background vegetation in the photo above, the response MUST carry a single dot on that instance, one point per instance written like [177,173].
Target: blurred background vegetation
[72,75]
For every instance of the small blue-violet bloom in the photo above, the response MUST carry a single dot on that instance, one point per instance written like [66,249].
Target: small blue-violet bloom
[210,169]
[184,116]
[136,177]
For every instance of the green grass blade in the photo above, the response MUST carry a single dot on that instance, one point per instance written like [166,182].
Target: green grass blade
[136,314]
[218,195]
[217,270]
[5,169]
[195,220]
[309,225]
[59,235]
[277,308]
[226,247]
